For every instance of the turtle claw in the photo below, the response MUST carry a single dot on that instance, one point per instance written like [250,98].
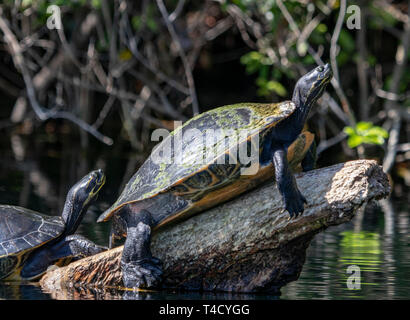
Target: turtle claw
[146,273]
[295,205]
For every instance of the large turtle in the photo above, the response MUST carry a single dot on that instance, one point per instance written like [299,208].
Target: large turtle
[194,179]
[30,242]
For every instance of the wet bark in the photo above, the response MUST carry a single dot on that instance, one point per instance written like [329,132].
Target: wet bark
[246,244]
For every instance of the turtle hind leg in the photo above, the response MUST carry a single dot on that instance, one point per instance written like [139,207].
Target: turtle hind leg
[36,264]
[139,268]
[309,161]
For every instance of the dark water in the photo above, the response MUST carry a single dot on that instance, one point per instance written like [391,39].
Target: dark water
[37,173]
[377,240]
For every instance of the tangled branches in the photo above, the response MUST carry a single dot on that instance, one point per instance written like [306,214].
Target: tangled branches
[135,61]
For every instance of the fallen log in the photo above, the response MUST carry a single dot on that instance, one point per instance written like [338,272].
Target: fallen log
[245,245]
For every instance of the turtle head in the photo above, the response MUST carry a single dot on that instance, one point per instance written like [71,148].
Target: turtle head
[80,196]
[310,87]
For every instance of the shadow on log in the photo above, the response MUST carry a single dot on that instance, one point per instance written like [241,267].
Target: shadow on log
[244,245]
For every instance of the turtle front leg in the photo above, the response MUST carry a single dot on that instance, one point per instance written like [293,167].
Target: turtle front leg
[293,199]
[79,247]
[139,268]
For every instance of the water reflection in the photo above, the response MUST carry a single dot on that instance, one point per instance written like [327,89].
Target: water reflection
[381,253]
[112,294]
[17,291]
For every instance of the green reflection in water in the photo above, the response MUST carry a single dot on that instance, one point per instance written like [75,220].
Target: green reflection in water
[362,249]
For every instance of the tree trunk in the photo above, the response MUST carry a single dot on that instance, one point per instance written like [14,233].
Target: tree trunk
[247,244]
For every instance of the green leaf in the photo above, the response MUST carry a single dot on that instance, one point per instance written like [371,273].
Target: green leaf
[342,58]
[363,126]
[96,4]
[136,22]
[277,87]
[322,28]
[349,131]
[378,131]
[373,140]
[256,62]
[267,87]
[365,132]
[125,55]
[387,18]
[346,41]
[152,25]
[354,141]
[371,60]
[308,60]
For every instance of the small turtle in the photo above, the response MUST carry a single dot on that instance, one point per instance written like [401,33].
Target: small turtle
[160,193]
[30,242]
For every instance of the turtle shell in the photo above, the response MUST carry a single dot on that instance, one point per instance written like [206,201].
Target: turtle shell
[190,158]
[22,229]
